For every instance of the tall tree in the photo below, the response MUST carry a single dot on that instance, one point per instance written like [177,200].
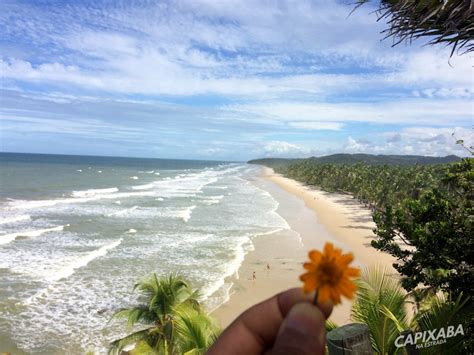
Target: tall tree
[173,319]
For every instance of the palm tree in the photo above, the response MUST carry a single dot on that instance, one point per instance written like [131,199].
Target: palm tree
[445,311]
[173,316]
[380,303]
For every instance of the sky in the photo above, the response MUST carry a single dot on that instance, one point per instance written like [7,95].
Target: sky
[223,80]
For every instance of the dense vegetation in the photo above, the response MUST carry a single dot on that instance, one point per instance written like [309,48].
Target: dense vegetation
[423,216]
[361,158]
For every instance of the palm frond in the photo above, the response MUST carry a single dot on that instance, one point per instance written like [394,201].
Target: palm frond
[196,331]
[379,301]
[136,314]
[330,325]
[445,312]
[143,348]
[117,345]
[388,313]
[441,21]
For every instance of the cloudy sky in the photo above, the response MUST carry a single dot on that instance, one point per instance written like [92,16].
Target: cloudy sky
[216,79]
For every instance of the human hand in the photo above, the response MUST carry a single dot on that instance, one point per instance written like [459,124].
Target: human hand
[285,324]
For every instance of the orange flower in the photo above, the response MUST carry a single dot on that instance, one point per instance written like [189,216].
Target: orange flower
[329,274]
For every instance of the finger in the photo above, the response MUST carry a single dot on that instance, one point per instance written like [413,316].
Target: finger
[302,332]
[255,330]
[326,308]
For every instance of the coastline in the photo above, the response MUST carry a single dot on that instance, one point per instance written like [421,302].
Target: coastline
[315,217]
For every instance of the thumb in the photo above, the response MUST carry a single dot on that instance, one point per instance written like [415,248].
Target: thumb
[302,332]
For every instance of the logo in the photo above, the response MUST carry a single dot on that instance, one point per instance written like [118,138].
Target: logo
[429,338]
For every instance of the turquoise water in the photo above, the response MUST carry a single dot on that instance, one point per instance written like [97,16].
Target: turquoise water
[76,233]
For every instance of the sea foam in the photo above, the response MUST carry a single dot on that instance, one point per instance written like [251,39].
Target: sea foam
[243,246]
[94,192]
[68,269]
[123,212]
[185,214]
[7,238]
[13,219]
[213,200]
[143,187]
[32,204]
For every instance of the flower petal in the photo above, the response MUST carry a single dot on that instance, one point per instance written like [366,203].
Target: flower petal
[335,296]
[309,284]
[328,249]
[315,256]
[324,294]
[310,267]
[347,288]
[352,272]
[347,258]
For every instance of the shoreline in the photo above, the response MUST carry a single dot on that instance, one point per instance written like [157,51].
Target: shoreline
[315,217]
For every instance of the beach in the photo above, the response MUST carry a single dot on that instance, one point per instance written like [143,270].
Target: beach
[315,217]
[218,224]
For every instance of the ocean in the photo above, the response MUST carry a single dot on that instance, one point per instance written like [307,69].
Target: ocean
[77,232]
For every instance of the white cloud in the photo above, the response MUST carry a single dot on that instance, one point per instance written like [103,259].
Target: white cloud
[430,141]
[443,93]
[48,72]
[432,67]
[102,44]
[315,125]
[412,111]
[283,149]
[354,146]
[178,49]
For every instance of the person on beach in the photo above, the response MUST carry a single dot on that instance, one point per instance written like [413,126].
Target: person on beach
[254,277]
[268,267]
[285,324]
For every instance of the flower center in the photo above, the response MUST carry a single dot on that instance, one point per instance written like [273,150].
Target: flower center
[329,272]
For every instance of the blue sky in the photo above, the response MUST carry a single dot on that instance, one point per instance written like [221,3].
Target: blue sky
[230,80]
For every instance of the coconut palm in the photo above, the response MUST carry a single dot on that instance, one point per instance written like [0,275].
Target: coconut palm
[172,315]
[443,312]
[380,303]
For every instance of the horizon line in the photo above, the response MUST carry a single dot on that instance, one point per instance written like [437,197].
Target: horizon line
[125,157]
[232,161]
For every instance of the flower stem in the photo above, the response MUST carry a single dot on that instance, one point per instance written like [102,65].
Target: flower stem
[315,300]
